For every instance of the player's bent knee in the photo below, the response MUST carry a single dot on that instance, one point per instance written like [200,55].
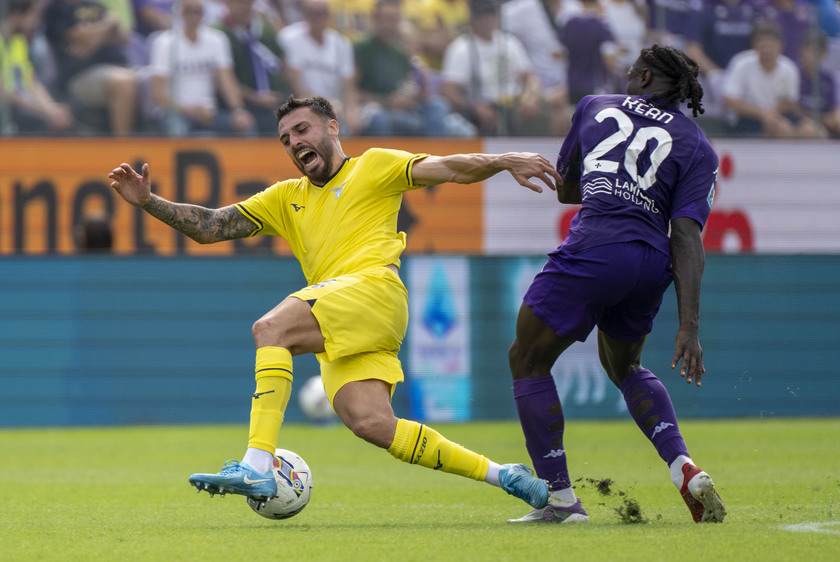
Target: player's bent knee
[262,327]
[515,357]
[373,429]
[275,330]
[527,360]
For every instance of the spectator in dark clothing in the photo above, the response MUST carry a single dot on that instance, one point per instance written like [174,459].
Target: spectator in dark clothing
[257,62]
[393,102]
[817,87]
[88,41]
[32,109]
[592,52]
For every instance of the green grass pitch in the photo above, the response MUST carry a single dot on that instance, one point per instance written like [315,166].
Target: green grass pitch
[122,494]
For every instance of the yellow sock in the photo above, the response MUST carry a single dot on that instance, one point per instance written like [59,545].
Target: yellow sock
[268,405]
[416,443]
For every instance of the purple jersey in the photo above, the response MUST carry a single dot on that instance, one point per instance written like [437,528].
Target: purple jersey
[675,16]
[639,167]
[822,99]
[726,28]
[583,36]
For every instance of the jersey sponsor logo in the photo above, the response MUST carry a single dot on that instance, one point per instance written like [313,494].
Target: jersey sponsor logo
[554,453]
[600,185]
[632,193]
[623,190]
[661,427]
[297,207]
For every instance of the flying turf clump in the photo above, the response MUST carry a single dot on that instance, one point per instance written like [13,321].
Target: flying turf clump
[629,511]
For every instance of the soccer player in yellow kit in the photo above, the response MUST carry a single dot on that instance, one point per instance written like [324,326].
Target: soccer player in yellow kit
[340,219]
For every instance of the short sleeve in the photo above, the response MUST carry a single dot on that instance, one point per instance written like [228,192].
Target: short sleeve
[695,191]
[570,158]
[264,209]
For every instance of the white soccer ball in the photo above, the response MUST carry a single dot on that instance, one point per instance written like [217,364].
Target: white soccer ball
[294,487]
[314,402]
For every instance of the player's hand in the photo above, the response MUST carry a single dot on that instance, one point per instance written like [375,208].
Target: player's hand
[526,165]
[688,351]
[131,186]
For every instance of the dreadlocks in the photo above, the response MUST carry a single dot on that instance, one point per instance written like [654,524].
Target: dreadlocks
[682,70]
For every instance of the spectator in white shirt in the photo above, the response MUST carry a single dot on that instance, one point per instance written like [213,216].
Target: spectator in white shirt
[762,89]
[320,62]
[189,68]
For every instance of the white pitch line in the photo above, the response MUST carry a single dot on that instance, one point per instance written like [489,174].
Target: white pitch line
[824,527]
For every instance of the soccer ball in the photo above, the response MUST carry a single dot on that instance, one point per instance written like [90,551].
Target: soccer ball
[294,487]
[314,402]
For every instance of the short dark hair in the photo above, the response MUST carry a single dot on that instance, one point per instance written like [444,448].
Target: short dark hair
[319,105]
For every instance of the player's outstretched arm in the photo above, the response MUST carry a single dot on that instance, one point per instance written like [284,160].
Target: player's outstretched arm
[471,168]
[688,261]
[203,225]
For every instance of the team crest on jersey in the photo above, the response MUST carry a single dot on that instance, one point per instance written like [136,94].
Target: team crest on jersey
[338,190]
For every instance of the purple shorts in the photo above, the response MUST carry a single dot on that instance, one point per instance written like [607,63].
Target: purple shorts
[617,287]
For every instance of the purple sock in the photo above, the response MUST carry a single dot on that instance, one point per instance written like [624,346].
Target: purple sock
[650,405]
[541,417]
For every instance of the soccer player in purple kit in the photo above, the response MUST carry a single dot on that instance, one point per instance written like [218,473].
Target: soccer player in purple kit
[639,167]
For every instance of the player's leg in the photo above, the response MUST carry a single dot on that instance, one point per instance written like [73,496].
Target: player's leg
[646,397]
[365,407]
[621,338]
[287,330]
[650,405]
[562,305]
[531,357]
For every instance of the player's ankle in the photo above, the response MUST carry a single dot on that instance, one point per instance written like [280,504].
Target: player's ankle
[562,498]
[677,475]
[258,459]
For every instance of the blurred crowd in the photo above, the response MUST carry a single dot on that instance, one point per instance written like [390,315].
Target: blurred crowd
[454,68]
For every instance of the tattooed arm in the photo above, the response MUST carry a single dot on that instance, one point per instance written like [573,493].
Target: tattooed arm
[203,225]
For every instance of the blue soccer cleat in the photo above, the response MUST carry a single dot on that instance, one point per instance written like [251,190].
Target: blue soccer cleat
[517,480]
[237,478]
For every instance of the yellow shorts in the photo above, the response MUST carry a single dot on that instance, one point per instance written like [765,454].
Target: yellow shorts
[363,318]
[380,365]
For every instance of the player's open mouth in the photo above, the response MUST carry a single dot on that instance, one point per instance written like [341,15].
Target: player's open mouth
[306,157]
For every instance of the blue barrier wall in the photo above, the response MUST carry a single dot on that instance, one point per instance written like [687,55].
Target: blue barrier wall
[107,340]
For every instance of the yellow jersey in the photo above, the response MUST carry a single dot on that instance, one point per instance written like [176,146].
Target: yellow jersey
[345,226]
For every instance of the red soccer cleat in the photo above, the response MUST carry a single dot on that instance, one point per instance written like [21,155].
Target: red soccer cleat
[700,496]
